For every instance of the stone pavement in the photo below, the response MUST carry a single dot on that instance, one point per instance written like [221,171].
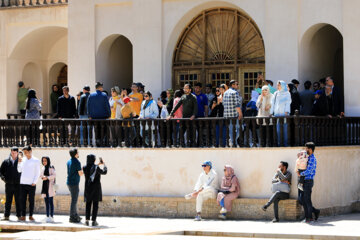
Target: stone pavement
[338,227]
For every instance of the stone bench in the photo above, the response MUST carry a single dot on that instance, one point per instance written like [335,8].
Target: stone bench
[172,207]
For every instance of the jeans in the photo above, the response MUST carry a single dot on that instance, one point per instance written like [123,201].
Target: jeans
[278,127]
[223,143]
[237,130]
[49,204]
[305,199]
[74,192]
[27,190]
[95,205]
[275,198]
[81,131]
[12,190]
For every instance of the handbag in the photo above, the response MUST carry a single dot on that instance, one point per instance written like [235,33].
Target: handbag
[280,186]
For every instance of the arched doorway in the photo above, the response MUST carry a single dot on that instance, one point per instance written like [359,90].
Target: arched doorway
[321,54]
[219,45]
[114,62]
[62,79]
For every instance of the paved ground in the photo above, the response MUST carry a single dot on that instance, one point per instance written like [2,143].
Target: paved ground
[339,227]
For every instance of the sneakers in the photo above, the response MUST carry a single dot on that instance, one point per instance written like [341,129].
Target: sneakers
[197,218]
[300,187]
[264,208]
[317,213]
[21,219]
[45,220]
[275,220]
[75,219]
[223,210]
[188,196]
[51,220]
[95,224]
[222,217]
[308,221]
[5,219]
[87,223]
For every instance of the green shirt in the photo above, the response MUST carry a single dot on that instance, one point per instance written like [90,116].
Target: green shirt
[22,96]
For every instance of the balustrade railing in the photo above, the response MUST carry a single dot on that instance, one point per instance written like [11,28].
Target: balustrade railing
[186,133]
[30,3]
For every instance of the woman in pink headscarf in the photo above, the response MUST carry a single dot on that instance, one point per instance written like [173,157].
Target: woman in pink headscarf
[230,190]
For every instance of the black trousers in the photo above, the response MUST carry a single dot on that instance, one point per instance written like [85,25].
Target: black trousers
[275,198]
[25,191]
[305,199]
[12,190]
[95,205]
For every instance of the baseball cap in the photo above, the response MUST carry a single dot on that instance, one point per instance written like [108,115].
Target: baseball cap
[207,163]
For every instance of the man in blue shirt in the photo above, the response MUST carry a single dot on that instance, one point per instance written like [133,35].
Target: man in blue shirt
[305,196]
[202,101]
[73,179]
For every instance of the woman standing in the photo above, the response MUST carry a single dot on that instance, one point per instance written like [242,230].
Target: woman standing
[217,110]
[229,190]
[149,110]
[264,106]
[33,106]
[48,176]
[295,99]
[93,192]
[115,103]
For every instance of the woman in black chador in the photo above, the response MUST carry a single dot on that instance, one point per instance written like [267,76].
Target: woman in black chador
[93,193]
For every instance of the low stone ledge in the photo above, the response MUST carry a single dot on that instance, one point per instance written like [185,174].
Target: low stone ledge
[171,207]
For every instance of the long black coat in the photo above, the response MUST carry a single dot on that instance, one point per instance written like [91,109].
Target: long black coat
[93,190]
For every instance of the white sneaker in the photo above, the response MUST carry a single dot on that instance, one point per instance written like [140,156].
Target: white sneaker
[51,220]
[188,196]
[222,217]
[197,218]
[223,210]
[45,220]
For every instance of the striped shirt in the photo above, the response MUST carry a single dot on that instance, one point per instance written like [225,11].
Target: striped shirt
[279,176]
[310,171]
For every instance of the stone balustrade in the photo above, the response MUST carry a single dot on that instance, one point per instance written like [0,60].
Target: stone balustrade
[5,4]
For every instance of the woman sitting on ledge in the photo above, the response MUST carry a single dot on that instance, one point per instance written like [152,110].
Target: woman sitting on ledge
[230,190]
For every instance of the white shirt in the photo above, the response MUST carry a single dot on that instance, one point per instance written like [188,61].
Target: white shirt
[209,180]
[30,170]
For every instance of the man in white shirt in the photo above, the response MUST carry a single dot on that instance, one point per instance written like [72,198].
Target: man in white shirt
[205,188]
[30,173]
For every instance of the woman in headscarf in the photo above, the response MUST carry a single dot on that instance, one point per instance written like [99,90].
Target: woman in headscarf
[264,106]
[149,110]
[93,192]
[280,107]
[48,176]
[115,103]
[229,190]
[295,99]
[33,106]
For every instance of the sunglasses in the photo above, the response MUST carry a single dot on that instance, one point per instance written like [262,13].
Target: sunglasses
[217,90]
[203,165]
[146,96]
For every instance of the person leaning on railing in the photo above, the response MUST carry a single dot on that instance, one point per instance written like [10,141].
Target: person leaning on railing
[263,104]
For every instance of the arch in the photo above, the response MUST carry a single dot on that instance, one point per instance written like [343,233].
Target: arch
[114,62]
[55,72]
[42,47]
[321,54]
[218,45]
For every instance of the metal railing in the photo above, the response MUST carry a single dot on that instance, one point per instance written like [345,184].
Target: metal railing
[30,3]
[186,133]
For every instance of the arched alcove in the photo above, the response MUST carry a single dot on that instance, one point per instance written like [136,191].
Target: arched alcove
[321,54]
[114,62]
[218,45]
[32,78]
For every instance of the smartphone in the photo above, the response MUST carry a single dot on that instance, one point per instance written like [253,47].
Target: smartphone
[101,160]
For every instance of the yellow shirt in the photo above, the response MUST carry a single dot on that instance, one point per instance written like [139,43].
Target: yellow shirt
[136,105]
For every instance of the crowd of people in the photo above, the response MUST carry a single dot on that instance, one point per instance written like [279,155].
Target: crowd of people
[21,172]
[225,101]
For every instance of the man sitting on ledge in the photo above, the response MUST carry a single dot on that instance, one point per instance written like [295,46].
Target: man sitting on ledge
[205,188]
[281,188]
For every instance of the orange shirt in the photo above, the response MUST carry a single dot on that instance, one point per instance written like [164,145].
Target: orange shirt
[136,105]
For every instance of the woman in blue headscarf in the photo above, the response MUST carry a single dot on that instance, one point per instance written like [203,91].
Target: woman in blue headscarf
[280,107]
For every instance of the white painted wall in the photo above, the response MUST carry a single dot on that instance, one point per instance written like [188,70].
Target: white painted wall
[173,172]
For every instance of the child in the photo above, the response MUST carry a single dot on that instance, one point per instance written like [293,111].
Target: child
[301,165]
[48,176]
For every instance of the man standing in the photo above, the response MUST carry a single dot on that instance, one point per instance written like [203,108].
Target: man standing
[284,176]
[307,99]
[54,96]
[22,96]
[83,112]
[210,95]
[66,105]
[296,83]
[10,175]
[202,101]
[232,108]
[136,98]
[205,188]
[29,167]
[73,179]
[309,174]
[337,96]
